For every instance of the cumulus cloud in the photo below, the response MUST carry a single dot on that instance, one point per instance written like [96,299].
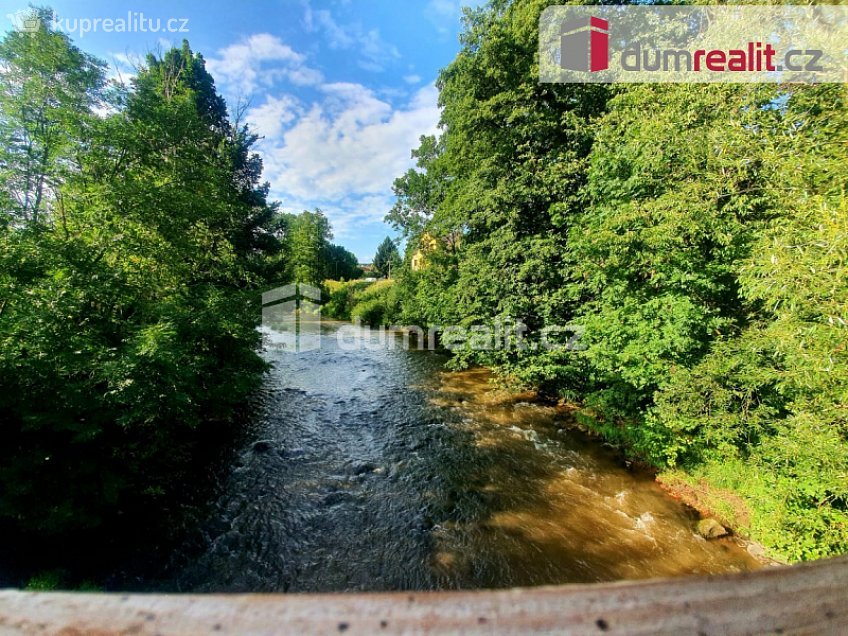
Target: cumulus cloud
[350,142]
[260,60]
[337,146]
[342,152]
[269,119]
[374,52]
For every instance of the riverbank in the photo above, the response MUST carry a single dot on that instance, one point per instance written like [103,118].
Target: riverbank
[721,509]
[612,477]
[372,468]
[726,507]
[708,502]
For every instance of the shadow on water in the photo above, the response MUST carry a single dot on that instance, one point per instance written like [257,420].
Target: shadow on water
[373,469]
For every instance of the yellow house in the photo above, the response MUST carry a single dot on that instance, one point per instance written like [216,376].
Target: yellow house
[425,244]
[428,243]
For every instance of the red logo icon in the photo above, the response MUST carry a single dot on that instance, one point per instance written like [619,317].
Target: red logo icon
[584,44]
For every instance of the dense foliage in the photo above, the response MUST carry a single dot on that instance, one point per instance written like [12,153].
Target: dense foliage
[341,264]
[371,303]
[387,258]
[697,232]
[134,232]
[309,256]
[135,236]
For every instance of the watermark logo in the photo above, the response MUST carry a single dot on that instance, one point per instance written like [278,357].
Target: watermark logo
[291,318]
[291,323]
[29,21]
[25,20]
[584,45]
[721,43]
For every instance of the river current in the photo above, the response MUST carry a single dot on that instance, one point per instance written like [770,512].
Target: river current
[370,467]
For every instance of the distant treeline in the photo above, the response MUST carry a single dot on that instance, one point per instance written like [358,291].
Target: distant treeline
[699,233]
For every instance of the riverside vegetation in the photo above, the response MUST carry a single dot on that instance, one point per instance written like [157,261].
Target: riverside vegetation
[135,237]
[699,233]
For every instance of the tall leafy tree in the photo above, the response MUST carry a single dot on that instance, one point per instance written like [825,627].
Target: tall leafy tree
[501,186]
[127,323]
[694,232]
[421,190]
[387,258]
[48,88]
[307,242]
[764,412]
[675,201]
[341,264]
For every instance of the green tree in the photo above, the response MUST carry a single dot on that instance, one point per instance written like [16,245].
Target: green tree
[48,88]
[341,264]
[695,232]
[421,190]
[675,201]
[500,188]
[307,243]
[387,259]
[128,323]
[763,414]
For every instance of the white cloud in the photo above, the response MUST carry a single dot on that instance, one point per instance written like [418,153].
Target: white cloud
[349,143]
[304,76]
[343,152]
[261,59]
[445,14]
[270,118]
[374,52]
[371,208]
[322,20]
[123,67]
[350,217]
[340,145]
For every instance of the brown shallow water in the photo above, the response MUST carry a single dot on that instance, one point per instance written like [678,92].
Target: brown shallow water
[371,468]
[559,503]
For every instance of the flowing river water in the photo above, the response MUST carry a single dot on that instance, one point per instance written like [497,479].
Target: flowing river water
[372,468]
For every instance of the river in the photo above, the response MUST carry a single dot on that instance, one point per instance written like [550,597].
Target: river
[372,468]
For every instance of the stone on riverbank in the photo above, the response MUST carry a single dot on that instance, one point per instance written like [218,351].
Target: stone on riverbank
[711,529]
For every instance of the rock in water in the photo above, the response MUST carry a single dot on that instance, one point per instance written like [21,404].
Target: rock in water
[362,468]
[711,529]
[263,446]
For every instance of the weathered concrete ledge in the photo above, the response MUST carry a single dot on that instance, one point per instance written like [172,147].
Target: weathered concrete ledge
[809,599]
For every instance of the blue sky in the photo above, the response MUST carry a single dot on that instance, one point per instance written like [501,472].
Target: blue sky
[341,90]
